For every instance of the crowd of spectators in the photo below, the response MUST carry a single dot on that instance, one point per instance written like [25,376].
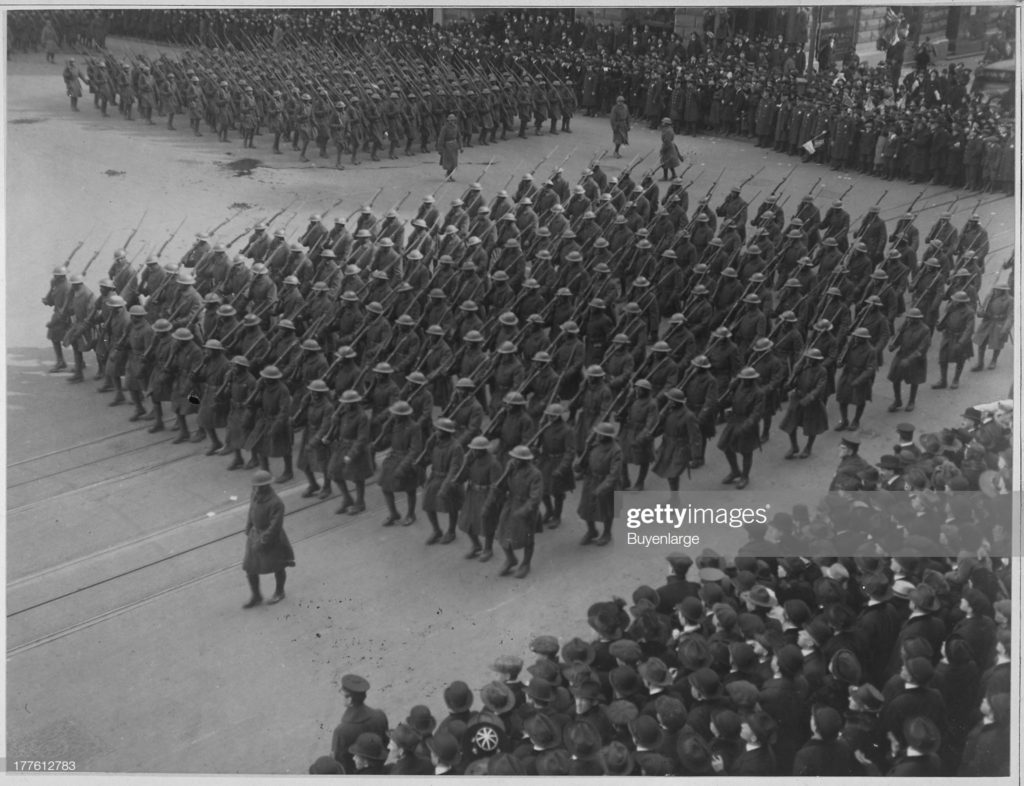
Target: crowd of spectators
[860,665]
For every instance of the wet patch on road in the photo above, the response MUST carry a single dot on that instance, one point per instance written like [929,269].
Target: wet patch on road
[23,121]
[113,173]
[243,166]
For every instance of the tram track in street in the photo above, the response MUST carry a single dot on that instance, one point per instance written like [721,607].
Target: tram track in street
[331,525]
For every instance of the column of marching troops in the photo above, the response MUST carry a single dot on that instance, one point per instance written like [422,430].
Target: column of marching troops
[603,302]
[341,106]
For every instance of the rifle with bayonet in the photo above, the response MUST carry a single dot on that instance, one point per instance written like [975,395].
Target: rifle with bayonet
[135,231]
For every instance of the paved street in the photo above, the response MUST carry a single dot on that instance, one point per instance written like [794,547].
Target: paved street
[128,650]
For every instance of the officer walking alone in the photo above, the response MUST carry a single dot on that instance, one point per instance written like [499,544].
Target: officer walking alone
[267,548]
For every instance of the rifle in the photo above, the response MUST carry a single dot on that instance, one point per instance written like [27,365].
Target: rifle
[73,252]
[782,182]
[634,165]
[484,172]
[704,200]
[751,177]
[225,386]
[168,241]
[549,154]
[135,231]
[93,257]
[166,367]
[194,394]
[280,212]
[226,221]
[561,163]
[250,400]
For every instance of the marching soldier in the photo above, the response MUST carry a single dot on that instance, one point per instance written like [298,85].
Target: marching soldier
[238,385]
[157,360]
[996,324]
[872,234]
[956,327]
[807,393]
[114,334]
[138,338]
[636,435]
[591,404]
[974,238]
[541,387]
[398,473]
[773,373]
[271,436]
[466,411]
[734,209]
[252,341]
[187,304]
[682,441]
[556,449]
[209,378]
[859,364]
[78,313]
[185,357]
[910,362]
[870,316]
[58,297]
[306,365]
[480,472]
[508,375]
[314,412]
[442,492]
[421,401]
[511,425]
[836,225]
[740,435]
[99,321]
[600,468]
[618,363]
[944,232]
[347,434]
[521,488]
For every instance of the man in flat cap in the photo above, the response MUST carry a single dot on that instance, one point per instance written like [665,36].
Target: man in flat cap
[357,719]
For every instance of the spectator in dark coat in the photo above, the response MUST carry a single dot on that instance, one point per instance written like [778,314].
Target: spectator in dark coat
[758,731]
[824,754]
[917,699]
[978,628]
[987,752]
[919,759]
[922,623]
[958,679]
[676,587]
